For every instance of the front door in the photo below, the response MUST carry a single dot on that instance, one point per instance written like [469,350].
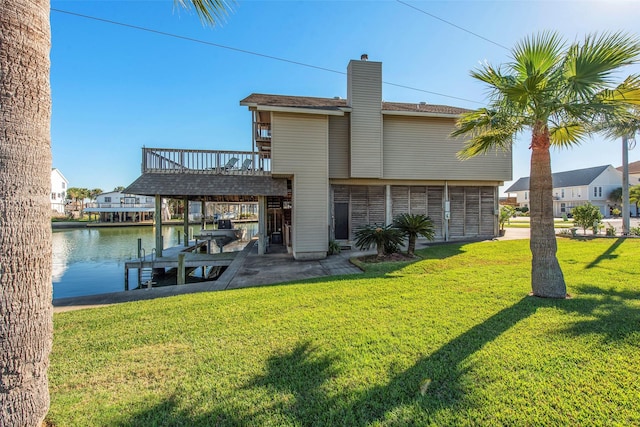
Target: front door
[341,211]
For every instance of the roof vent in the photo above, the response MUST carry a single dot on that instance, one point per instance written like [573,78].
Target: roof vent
[364,57]
[336,97]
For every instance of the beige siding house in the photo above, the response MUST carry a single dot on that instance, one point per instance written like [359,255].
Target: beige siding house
[363,161]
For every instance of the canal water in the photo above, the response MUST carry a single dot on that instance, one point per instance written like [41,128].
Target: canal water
[91,261]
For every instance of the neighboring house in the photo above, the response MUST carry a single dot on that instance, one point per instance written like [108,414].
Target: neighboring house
[576,187]
[322,167]
[116,206]
[634,173]
[59,186]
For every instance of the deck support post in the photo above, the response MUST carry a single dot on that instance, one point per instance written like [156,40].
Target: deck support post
[262,224]
[157,219]
[185,221]
[181,278]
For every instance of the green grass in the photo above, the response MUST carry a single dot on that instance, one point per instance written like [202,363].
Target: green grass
[452,339]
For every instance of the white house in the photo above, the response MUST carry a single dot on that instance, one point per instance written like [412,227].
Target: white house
[115,206]
[576,187]
[59,186]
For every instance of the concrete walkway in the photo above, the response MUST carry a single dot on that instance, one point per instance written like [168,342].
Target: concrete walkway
[247,270]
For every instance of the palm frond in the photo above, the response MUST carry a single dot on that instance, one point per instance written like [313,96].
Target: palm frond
[589,67]
[538,55]
[212,12]
[567,134]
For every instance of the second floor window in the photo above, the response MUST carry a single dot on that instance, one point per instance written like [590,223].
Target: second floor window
[107,199]
[562,193]
[526,195]
[597,191]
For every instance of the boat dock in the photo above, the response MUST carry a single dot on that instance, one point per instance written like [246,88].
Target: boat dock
[182,259]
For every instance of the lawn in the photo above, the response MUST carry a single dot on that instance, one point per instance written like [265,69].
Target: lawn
[452,339]
[524,223]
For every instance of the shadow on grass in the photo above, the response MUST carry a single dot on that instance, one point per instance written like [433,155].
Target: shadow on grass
[434,382]
[606,255]
[609,313]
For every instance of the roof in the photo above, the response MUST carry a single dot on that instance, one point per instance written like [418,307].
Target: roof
[194,185]
[634,167]
[572,178]
[334,104]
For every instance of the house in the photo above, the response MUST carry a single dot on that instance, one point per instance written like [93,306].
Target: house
[634,173]
[59,186]
[322,167]
[116,206]
[576,187]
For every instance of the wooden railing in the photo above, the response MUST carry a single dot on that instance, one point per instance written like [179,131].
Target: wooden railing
[204,161]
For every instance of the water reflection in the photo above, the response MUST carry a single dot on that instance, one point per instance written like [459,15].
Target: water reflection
[91,261]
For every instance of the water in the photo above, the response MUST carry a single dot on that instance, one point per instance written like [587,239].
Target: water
[91,261]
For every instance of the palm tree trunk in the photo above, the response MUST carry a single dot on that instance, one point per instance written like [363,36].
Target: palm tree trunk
[25,227]
[411,248]
[547,279]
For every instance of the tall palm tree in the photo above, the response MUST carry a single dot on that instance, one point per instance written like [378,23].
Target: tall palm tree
[557,91]
[25,228]
[634,195]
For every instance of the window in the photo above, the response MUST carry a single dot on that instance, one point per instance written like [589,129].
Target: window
[597,191]
[107,199]
[562,193]
[526,195]
[563,207]
[63,184]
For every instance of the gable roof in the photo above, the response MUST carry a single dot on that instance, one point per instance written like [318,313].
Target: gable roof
[634,167]
[572,178]
[340,104]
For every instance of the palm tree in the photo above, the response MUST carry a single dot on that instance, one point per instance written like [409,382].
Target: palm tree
[25,253]
[386,238]
[556,91]
[412,226]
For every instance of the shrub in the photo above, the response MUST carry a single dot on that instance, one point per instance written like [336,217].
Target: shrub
[334,248]
[506,212]
[587,216]
[635,231]
[610,230]
[412,226]
[386,238]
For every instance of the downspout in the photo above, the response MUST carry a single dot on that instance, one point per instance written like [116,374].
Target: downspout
[447,211]
[389,205]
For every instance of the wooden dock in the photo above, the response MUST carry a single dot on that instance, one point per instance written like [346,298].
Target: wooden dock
[180,258]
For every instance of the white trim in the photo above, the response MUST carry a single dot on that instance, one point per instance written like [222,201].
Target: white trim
[299,110]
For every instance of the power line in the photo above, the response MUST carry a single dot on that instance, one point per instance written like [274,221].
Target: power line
[452,24]
[248,52]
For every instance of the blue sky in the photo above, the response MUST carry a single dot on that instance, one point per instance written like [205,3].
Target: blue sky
[116,89]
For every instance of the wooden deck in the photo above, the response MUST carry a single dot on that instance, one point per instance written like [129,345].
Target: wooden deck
[193,258]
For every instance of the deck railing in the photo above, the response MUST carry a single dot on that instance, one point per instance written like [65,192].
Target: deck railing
[204,161]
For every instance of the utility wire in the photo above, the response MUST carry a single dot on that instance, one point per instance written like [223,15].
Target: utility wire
[452,24]
[248,52]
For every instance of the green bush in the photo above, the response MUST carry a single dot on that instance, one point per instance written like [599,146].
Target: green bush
[386,238]
[587,216]
[506,212]
[334,248]
[412,226]
[610,230]
[635,231]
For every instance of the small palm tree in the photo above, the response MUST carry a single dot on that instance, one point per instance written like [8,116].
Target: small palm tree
[412,226]
[634,195]
[386,238]
[556,91]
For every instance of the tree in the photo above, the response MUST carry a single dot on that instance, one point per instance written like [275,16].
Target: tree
[616,195]
[557,92]
[506,212]
[93,193]
[25,228]
[412,226]
[119,188]
[78,195]
[634,195]
[386,238]
[587,216]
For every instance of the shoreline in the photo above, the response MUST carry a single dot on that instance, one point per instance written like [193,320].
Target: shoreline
[64,225]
